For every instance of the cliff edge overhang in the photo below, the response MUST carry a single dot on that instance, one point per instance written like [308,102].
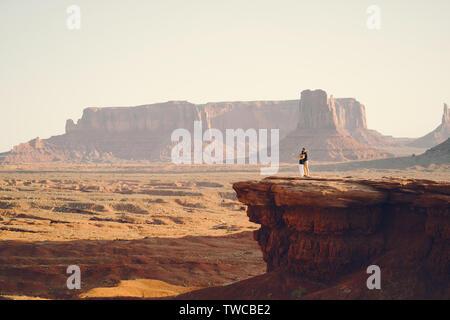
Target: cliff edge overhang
[329,230]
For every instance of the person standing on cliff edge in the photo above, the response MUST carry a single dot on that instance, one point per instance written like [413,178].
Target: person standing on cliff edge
[303,163]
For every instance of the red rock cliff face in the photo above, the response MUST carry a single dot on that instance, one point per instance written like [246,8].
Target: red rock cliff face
[159,118]
[282,115]
[351,116]
[316,112]
[350,113]
[331,230]
[331,130]
[153,118]
[144,132]
[319,112]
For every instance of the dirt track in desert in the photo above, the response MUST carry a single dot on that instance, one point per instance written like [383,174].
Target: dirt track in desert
[168,229]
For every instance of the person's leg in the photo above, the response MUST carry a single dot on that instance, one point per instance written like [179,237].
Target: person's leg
[306,168]
[300,169]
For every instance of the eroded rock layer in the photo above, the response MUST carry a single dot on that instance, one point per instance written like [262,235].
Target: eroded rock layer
[329,229]
[331,129]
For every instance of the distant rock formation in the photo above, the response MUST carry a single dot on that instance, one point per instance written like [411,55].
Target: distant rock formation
[38,150]
[351,116]
[165,117]
[325,128]
[333,130]
[438,135]
[316,112]
[438,156]
[35,150]
[144,132]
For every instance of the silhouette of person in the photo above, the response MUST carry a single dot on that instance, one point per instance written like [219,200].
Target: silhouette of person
[303,163]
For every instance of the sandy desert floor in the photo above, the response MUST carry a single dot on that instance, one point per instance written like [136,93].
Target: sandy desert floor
[134,230]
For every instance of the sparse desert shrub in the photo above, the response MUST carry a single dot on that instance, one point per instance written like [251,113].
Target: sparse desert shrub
[158,200]
[220,226]
[129,207]
[80,207]
[176,220]
[209,184]
[228,195]
[156,222]
[228,204]
[126,219]
[188,204]
[85,206]
[157,192]
[6,205]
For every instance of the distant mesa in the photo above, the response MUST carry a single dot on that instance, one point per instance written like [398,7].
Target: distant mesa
[333,129]
[143,133]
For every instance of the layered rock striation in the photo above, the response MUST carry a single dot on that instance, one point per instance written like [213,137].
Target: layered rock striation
[331,129]
[331,230]
[144,132]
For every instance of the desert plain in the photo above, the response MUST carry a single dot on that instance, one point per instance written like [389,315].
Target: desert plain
[135,230]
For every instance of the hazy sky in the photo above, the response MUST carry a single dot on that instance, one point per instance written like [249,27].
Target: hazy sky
[138,52]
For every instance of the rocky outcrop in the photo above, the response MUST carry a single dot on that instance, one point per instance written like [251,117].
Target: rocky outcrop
[35,150]
[438,135]
[319,112]
[325,128]
[350,113]
[316,112]
[38,150]
[332,129]
[331,230]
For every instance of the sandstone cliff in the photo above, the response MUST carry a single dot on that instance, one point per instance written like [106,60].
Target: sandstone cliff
[318,236]
[325,128]
[162,117]
[333,129]
[351,116]
[143,132]
[438,135]
[327,228]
